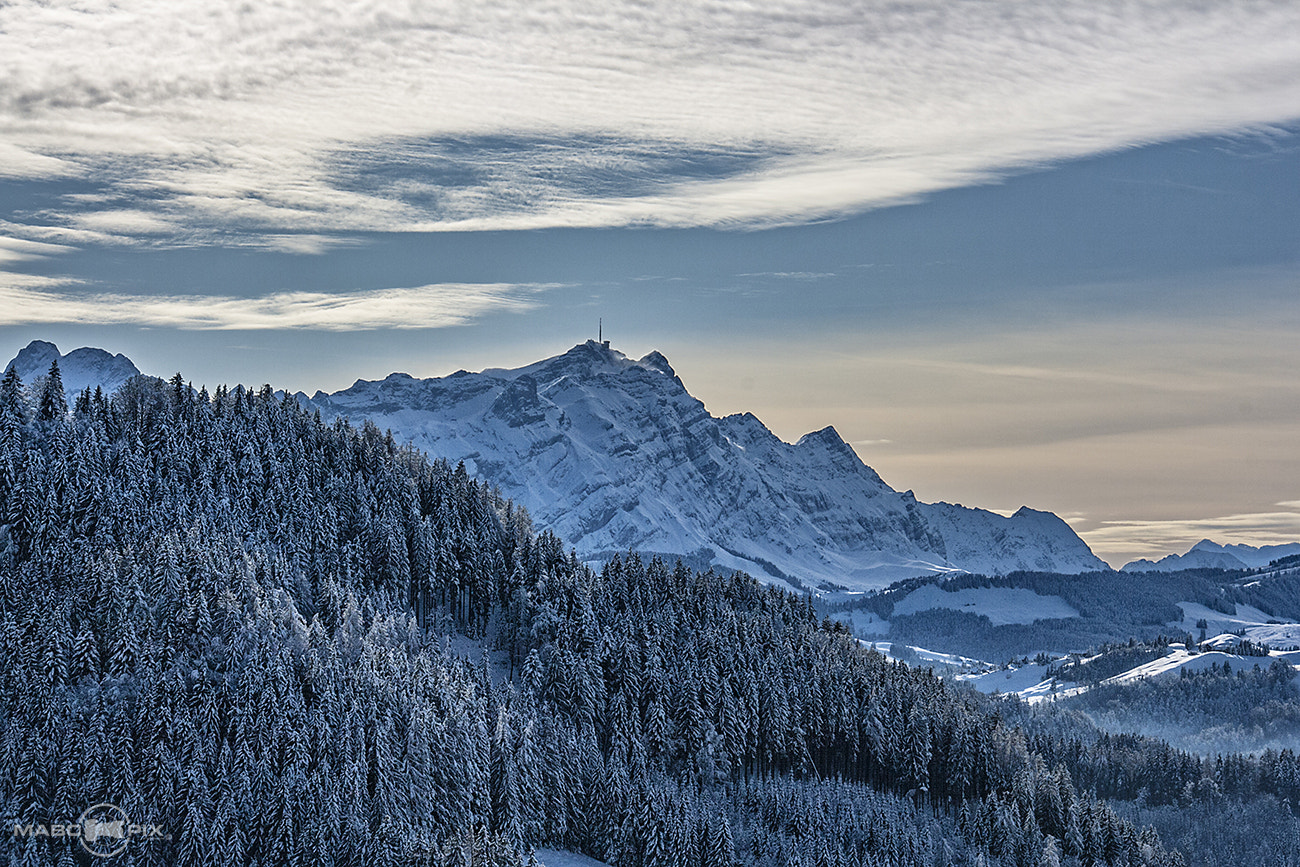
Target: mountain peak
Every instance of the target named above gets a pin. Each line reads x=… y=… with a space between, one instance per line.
x=37 y=354
x=828 y=438
x=656 y=360
x=827 y=434
x=599 y=349
x=595 y=357
x=1026 y=512
x=82 y=368
x=1038 y=517
x=39 y=346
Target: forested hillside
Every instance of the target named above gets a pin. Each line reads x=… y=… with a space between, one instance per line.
x=232 y=621
x=1112 y=607
x=1250 y=708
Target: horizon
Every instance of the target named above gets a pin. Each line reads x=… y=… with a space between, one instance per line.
x=1114 y=562
x=1016 y=254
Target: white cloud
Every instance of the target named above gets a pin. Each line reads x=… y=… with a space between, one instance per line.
x=16 y=162
x=29 y=300
x=127 y=222
x=22 y=249
x=219 y=115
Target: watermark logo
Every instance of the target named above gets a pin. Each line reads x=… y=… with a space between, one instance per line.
x=104 y=830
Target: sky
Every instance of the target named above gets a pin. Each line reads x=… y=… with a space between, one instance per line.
x=1015 y=252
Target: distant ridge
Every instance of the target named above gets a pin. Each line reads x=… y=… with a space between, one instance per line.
x=1206 y=554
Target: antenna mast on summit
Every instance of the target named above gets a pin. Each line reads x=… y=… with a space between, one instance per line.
x=600 y=330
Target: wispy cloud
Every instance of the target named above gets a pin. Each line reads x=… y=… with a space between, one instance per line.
x=1176 y=536
x=791 y=275
x=39 y=300
x=22 y=249
x=332 y=116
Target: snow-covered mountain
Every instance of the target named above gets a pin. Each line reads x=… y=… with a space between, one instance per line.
x=613 y=454
x=1211 y=555
x=79 y=368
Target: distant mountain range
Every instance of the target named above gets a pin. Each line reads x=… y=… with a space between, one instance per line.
x=614 y=454
x=1211 y=555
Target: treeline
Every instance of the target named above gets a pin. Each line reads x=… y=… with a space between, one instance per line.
x=229 y=619
x=1277 y=593
x=974 y=635
x=1109 y=660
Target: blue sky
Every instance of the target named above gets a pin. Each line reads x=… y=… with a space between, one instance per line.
x=1014 y=252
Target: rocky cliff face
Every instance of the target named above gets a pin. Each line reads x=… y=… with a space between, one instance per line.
x=613 y=453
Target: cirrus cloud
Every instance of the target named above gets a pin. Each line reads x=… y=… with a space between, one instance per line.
x=239 y=118
x=438 y=305
x=1278 y=527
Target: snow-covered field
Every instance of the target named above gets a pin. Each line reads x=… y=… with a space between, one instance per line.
x=1276 y=635
x=1027 y=681
x=1218 y=622
x=863 y=623
x=1259 y=627
x=1001 y=605
x=933 y=657
x=1179 y=658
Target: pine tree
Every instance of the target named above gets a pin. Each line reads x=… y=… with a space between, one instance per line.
x=722 y=849
x=12 y=401
x=53 y=403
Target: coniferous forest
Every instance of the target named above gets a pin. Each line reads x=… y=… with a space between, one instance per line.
x=284 y=642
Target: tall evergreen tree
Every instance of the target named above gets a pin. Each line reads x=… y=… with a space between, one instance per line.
x=12 y=402
x=53 y=403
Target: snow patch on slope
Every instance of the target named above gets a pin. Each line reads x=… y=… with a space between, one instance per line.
x=1179 y=658
x=1216 y=622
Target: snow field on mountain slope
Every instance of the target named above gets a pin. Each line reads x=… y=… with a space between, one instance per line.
x=1030 y=682
x=1247 y=617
